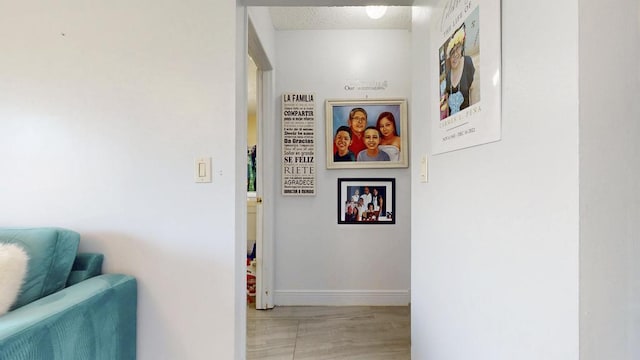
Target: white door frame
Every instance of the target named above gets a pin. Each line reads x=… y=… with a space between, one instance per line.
x=264 y=171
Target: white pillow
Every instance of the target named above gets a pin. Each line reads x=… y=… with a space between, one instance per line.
x=13 y=268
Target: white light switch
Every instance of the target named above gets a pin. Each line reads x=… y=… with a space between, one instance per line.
x=203 y=170
x=423 y=170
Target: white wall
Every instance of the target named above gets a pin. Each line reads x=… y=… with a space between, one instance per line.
x=261 y=19
x=495 y=231
x=317 y=260
x=609 y=186
x=103 y=108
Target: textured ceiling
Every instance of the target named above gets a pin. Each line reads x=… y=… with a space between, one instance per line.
x=329 y=2
x=338 y=17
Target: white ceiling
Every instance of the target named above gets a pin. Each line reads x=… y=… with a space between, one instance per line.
x=338 y=17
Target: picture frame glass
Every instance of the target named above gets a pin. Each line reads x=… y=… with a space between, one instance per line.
x=366 y=134
x=366 y=201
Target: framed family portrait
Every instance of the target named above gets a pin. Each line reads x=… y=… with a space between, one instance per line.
x=367 y=201
x=367 y=134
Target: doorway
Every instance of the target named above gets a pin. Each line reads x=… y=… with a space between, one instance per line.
x=259 y=174
x=313 y=253
x=252 y=198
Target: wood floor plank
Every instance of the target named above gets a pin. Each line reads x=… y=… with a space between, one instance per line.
x=272 y=339
x=318 y=332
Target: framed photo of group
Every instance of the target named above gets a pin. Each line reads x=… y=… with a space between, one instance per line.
x=367 y=201
x=367 y=134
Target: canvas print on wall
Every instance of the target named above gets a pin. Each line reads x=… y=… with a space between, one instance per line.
x=366 y=201
x=466 y=41
x=367 y=134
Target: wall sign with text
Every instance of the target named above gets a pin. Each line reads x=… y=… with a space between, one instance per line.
x=298 y=144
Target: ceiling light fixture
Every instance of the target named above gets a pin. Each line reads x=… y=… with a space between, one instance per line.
x=376 y=12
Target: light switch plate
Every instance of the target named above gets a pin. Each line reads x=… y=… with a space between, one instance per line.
x=424 y=176
x=203 y=170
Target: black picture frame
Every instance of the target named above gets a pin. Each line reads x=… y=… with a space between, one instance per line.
x=381 y=198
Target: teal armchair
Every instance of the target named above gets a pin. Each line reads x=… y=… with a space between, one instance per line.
x=67 y=309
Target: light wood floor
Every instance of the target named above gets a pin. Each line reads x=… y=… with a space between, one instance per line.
x=336 y=332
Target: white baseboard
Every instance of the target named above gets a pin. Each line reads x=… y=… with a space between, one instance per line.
x=342 y=297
